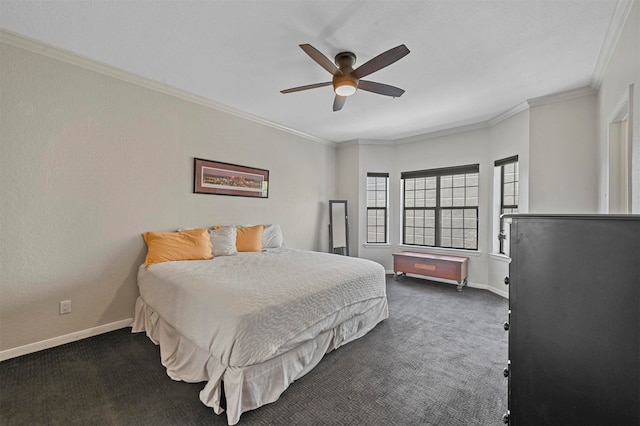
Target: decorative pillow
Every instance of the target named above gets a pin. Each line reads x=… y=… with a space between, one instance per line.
x=249 y=238
x=194 y=244
x=223 y=240
x=272 y=236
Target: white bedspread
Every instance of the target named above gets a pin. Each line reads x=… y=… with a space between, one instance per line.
x=250 y=307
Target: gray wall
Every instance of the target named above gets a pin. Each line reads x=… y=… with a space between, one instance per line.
x=89 y=162
x=555 y=139
x=620 y=80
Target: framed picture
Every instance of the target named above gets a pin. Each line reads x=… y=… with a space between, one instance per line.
x=214 y=177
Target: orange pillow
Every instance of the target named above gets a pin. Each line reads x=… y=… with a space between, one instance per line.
x=249 y=238
x=193 y=244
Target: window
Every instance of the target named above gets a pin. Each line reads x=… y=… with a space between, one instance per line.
x=440 y=207
x=377 y=203
x=509 y=178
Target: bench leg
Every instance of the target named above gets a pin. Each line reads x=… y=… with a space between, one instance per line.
x=462 y=284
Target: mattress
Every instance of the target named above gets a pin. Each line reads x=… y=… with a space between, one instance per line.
x=256 y=321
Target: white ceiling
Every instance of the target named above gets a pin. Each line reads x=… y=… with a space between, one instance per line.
x=470 y=61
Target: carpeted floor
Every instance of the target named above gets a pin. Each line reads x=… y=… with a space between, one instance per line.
x=437 y=360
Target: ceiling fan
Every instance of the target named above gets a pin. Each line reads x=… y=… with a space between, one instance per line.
x=346 y=80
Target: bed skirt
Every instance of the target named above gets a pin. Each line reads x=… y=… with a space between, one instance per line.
x=247 y=387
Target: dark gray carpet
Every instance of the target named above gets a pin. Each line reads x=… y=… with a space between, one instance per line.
x=437 y=360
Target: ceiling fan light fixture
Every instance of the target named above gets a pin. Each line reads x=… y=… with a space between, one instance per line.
x=345 y=88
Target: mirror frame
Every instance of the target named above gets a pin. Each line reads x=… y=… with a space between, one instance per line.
x=343 y=250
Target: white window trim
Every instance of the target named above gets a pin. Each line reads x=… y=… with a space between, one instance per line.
x=387 y=209
x=441 y=250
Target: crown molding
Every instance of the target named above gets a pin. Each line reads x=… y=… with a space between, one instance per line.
x=444 y=132
x=375 y=142
x=621 y=13
x=562 y=96
x=462 y=128
x=533 y=102
x=352 y=142
x=619 y=18
x=508 y=113
x=22 y=42
x=543 y=100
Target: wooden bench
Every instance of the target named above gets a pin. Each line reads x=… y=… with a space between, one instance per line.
x=431 y=265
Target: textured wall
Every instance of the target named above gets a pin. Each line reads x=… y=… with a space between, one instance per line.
x=622 y=71
x=89 y=162
x=563 y=157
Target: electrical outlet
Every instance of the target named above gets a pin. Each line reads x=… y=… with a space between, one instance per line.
x=65 y=307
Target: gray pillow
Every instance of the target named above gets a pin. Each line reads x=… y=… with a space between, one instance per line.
x=223 y=241
x=272 y=236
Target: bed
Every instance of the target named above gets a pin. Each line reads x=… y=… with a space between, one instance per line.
x=253 y=322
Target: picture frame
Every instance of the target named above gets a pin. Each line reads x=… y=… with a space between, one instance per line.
x=218 y=178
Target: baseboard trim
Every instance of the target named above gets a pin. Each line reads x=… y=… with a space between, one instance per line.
x=502 y=293
x=444 y=281
x=101 y=329
x=62 y=340
x=499 y=292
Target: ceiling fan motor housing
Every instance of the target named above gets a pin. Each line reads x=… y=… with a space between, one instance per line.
x=346 y=79
x=345 y=60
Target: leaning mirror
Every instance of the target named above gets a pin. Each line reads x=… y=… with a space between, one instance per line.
x=338 y=227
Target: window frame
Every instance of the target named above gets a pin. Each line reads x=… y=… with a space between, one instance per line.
x=385 y=209
x=438 y=209
x=503 y=235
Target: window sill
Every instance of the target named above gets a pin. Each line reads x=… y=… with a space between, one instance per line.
x=500 y=257
x=376 y=245
x=440 y=250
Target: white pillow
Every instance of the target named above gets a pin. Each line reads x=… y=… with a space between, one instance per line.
x=272 y=236
x=223 y=241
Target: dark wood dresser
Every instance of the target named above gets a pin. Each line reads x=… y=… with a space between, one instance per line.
x=574 y=320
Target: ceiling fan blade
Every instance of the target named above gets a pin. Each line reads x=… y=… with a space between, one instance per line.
x=338 y=102
x=322 y=60
x=379 y=88
x=307 y=87
x=382 y=60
